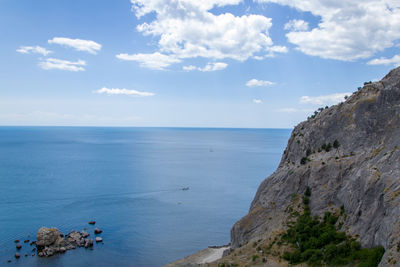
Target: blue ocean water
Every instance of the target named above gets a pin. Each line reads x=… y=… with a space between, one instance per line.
x=130 y=181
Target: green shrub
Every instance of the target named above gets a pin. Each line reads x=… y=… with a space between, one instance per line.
x=308 y=192
x=317 y=241
x=328 y=147
x=342 y=210
x=336 y=144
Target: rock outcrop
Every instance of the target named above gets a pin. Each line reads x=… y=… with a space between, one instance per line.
x=360 y=172
x=51 y=241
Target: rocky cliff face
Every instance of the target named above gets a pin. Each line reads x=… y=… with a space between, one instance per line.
x=362 y=173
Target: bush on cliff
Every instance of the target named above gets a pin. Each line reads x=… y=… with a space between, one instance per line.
x=318 y=242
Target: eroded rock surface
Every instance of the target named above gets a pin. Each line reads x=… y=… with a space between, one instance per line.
x=362 y=174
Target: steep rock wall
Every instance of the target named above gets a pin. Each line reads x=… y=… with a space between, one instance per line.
x=362 y=174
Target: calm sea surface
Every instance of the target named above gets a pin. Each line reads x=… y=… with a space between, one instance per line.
x=130 y=181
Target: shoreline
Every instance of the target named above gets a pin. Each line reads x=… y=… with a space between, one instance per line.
x=205 y=256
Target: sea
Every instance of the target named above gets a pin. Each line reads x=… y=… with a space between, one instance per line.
x=158 y=194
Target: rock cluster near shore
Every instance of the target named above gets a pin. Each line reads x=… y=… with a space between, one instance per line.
x=51 y=241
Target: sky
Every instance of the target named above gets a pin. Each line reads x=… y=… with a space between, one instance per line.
x=188 y=63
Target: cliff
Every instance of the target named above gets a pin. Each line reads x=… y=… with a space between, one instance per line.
x=360 y=173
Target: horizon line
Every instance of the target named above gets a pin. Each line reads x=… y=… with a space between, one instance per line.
x=177 y=127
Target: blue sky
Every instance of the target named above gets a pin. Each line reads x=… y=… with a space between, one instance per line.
x=187 y=63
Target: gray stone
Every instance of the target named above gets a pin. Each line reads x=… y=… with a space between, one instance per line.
x=88 y=243
x=97 y=231
x=85 y=234
x=362 y=174
x=47 y=236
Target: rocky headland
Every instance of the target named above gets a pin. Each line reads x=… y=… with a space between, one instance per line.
x=347 y=158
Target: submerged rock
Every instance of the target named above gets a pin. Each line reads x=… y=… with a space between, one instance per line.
x=17 y=255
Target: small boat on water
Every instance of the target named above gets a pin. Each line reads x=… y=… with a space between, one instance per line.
x=185 y=188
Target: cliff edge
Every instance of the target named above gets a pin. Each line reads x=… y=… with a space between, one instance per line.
x=349 y=156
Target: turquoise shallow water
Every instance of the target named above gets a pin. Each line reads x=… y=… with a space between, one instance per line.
x=130 y=181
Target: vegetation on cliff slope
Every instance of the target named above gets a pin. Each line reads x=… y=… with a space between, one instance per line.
x=317 y=241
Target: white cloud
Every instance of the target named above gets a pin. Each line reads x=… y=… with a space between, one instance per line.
x=257 y=83
x=324 y=99
x=209 y=67
x=117 y=91
x=348 y=29
x=54 y=63
x=275 y=49
x=78 y=44
x=189 y=68
x=186 y=29
x=395 y=60
x=155 y=60
x=33 y=50
x=257 y=101
x=271 y=52
x=296 y=25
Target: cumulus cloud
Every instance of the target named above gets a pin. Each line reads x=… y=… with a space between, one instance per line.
x=257 y=101
x=54 y=63
x=324 y=99
x=78 y=44
x=296 y=25
x=209 y=67
x=349 y=29
x=258 y=83
x=117 y=91
x=33 y=50
x=155 y=60
x=395 y=60
x=187 y=29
